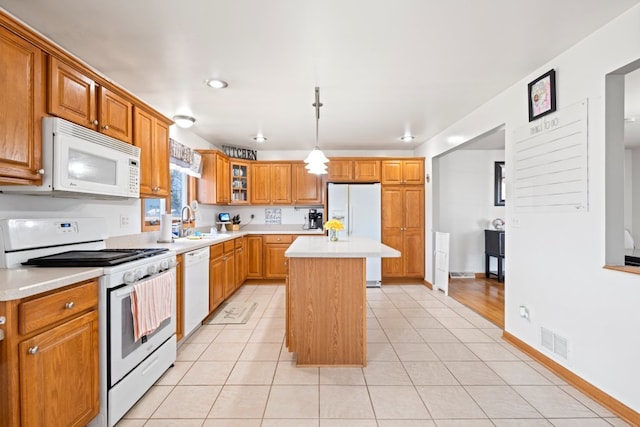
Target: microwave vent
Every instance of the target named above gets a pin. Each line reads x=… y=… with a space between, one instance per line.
x=71 y=129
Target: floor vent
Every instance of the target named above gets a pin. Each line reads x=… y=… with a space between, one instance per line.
x=462 y=275
x=554 y=342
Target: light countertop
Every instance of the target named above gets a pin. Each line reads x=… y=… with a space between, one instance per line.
x=353 y=247
x=23 y=282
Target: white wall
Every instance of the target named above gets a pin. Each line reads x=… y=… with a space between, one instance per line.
x=635 y=196
x=556 y=259
x=466 y=204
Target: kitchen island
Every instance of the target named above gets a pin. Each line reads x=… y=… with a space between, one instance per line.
x=326 y=299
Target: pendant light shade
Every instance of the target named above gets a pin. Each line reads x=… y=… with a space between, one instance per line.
x=316 y=160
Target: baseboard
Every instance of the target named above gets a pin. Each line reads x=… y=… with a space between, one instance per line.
x=480 y=275
x=401 y=281
x=615 y=406
x=427 y=284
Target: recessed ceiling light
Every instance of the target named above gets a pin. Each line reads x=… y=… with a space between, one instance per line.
x=184 y=121
x=217 y=83
x=407 y=138
x=259 y=139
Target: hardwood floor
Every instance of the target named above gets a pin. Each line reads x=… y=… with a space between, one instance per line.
x=484 y=296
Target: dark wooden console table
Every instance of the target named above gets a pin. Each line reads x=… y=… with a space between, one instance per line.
x=494 y=247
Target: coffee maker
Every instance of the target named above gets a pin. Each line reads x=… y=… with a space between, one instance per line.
x=315 y=219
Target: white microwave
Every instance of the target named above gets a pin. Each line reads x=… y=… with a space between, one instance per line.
x=79 y=162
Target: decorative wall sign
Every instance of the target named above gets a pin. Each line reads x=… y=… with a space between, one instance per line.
x=273 y=216
x=240 y=153
x=542 y=95
x=551 y=159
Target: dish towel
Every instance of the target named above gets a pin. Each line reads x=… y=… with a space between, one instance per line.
x=151 y=302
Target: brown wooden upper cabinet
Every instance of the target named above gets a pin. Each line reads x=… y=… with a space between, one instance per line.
x=307 y=187
x=214 y=185
x=79 y=99
x=270 y=183
x=152 y=136
x=405 y=171
x=21 y=109
x=353 y=170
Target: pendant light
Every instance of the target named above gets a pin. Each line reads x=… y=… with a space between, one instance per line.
x=316 y=160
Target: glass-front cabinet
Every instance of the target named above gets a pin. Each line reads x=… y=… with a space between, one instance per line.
x=239 y=182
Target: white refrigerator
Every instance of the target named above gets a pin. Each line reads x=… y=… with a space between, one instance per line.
x=358 y=207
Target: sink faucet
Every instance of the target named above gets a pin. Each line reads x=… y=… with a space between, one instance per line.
x=184 y=230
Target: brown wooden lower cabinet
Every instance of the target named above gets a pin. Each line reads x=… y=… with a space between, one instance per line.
x=50 y=375
x=216 y=276
x=254 y=257
x=275 y=246
x=228 y=263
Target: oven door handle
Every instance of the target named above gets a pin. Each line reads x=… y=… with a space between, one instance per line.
x=126 y=290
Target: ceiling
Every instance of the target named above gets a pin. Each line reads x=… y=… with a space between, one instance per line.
x=384 y=68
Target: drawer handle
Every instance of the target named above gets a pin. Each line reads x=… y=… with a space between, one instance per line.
x=33 y=350
x=105 y=127
x=69 y=305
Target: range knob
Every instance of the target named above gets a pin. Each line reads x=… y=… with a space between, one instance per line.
x=152 y=269
x=172 y=262
x=164 y=265
x=129 y=277
x=139 y=274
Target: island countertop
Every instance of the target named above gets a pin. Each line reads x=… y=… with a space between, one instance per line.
x=352 y=247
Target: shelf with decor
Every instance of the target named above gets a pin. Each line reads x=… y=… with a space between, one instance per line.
x=239 y=182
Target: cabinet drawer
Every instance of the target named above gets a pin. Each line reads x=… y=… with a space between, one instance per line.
x=215 y=251
x=43 y=311
x=278 y=238
x=228 y=246
x=239 y=242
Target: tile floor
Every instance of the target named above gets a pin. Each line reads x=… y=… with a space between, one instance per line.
x=431 y=362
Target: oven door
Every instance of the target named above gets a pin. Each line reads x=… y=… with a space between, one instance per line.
x=125 y=353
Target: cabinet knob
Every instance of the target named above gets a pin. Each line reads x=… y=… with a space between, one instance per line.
x=33 y=350
x=156 y=189
x=40 y=171
x=105 y=127
x=69 y=305
x=94 y=122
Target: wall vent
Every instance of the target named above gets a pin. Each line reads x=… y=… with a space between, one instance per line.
x=554 y=342
x=462 y=275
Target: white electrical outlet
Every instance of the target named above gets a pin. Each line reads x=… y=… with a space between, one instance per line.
x=124 y=221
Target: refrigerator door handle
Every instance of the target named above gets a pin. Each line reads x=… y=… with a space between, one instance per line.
x=351 y=218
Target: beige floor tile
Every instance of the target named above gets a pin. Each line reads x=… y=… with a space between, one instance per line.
x=435 y=335
x=502 y=402
x=494 y=332
x=348 y=423
x=589 y=403
x=345 y=401
x=376 y=336
x=381 y=352
x=271 y=322
x=233 y=336
x=190 y=352
x=452 y=351
x=232 y=423
x=546 y=373
x=471 y=335
x=342 y=376
x=174 y=423
x=432 y=304
x=449 y=402
x=458 y=322
x=429 y=373
x=552 y=402
x=252 y=373
x=205 y=334
x=188 y=402
x=147 y=405
x=261 y=351
x=293 y=401
x=288 y=373
x=538 y=422
x=267 y=335
x=386 y=373
x=291 y=422
x=393 y=322
x=397 y=403
x=130 y=423
x=579 y=422
x=174 y=374
x=406 y=423
x=285 y=354
x=463 y=423
x=617 y=422
x=414 y=352
x=442 y=312
x=243 y=401
x=403 y=335
x=220 y=351
x=491 y=351
x=208 y=373
x=418 y=312
x=474 y=373
x=383 y=313
x=518 y=373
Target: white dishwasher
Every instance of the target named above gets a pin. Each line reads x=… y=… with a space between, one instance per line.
x=196 y=288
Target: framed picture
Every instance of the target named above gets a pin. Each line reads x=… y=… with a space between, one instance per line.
x=542 y=95
x=498 y=184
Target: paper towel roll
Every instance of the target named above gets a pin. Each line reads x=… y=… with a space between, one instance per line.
x=165 y=229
